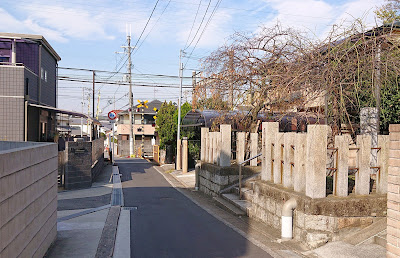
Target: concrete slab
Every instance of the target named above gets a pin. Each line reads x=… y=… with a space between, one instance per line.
x=78 y=237
x=187 y=179
x=341 y=249
x=122 y=246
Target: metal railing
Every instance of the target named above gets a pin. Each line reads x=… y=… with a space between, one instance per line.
x=240 y=172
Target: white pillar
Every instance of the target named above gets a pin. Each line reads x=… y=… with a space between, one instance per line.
x=341 y=175
x=226 y=146
x=278 y=156
x=269 y=131
x=179 y=155
x=254 y=148
x=316 y=157
x=299 y=169
x=240 y=146
x=288 y=156
x=204 y=135
x=363 y=159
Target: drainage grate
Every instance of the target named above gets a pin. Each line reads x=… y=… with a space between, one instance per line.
x=130 y=208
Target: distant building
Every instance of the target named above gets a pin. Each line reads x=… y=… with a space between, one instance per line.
x=145 y=130
x=28 y=88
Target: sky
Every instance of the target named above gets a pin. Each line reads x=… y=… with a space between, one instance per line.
x=88 y=34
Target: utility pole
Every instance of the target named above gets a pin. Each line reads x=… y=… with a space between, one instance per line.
x=94 y=96
x=83 y=103
x=178 y=145
x=128 y=50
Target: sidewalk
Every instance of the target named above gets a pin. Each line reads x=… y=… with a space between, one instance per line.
x=81 y=216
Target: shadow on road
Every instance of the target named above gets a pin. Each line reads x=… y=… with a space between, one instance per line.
x=168 y=224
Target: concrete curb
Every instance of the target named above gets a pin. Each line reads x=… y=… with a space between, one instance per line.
x=122 y=248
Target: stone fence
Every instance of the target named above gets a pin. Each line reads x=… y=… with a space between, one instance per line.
x=296 y=165
x=28 y=198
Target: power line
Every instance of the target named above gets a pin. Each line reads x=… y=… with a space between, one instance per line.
x=201 y=23
x=194 y=21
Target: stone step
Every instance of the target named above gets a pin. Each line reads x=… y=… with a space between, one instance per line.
x=226 y=205
x=244 y=205
x=380 y=239
x=247 y=193
x=364 y=234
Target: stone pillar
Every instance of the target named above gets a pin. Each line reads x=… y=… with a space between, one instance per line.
x=211 y=155
x=393 y=196
x=288 y=156
x=185 y=156
x=363 y=159
x=203 y=150
x=278 y=157
x=208 y=147
x=226 y=146
x=369 y=117
x=179 y=155
x=269 y=131
x=341 y=175
x=240 y=146
x=253 y=148
x=218 y=148
x=299 y=169
x=316 y=157
x=383 y=163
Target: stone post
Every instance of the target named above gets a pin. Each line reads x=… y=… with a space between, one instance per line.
x=363 y=159
x=269 y=130
x=203 y=150
x=240 y=146
x=341 y=175
x=288 y=155
x=185 y=157
x=369 y=117
x=215 y=147
x=218 y=149
x=253 y=148
x=179 y=155
x=278 y=157
x=393 y=196
x=383 y=162
x=211 y=155
x=208 y=147
x=226 y=146
x=299 y=169
x=316 y=157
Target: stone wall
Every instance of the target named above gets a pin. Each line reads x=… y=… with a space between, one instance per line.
x=84 y=161
x=393 y=196
x=213 y=178
x=28 y=198
x=318 y=220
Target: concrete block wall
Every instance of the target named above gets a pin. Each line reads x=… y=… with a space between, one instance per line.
x=393 y=195
x=28 y=198
x=213 y=178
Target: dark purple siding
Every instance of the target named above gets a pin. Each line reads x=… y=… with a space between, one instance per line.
x=28 y=54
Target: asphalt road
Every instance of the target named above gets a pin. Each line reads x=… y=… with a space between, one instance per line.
x=167 y=224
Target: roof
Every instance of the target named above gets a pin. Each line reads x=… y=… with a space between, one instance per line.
x=68 y=112
x=32 y=37
x=150 y=110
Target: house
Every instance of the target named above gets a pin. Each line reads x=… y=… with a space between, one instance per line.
x=28 y=88
x=143 y=129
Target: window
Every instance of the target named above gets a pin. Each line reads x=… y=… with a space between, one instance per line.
x=26 y=86
x=4 y=59
x=45 y=76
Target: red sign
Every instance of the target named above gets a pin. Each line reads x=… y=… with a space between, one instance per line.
x=112 y=115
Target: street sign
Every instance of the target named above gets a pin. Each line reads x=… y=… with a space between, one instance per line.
x=112 y=115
